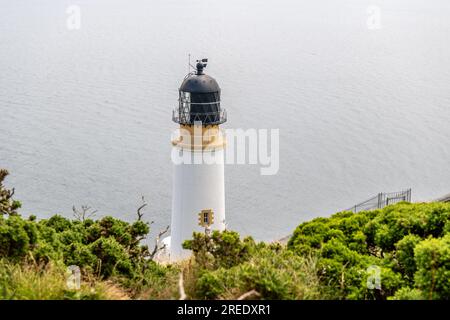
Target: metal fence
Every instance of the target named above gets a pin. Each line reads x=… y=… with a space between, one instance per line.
x=382 y=200
x=445 y=198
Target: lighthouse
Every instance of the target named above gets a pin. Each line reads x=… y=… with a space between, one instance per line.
x=198 y=199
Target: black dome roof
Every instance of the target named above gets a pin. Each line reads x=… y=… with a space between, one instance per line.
x=200 y=83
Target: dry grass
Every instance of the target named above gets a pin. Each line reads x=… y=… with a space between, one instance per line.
x=38 y=282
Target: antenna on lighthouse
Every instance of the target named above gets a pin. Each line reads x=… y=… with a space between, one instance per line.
x=189 y=64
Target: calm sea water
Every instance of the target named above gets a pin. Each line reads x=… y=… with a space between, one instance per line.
x=85 y=115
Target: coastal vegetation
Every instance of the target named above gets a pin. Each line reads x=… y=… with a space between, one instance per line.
x=398 y=252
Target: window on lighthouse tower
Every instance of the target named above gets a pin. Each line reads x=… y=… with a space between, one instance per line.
x=206 y=218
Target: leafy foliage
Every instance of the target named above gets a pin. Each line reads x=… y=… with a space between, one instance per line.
x=7 y=205
x=399 y=252
x=274 y=275
x=432 y=257
x=407 y=243
x=220 y=249
x=107 y=247
x=226 y=266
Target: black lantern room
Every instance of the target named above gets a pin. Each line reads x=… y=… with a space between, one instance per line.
x=199 y=99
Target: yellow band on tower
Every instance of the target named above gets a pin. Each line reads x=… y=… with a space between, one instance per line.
x=200 y=138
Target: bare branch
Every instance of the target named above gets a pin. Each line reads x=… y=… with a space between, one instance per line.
x=181 y=287
x=249 y=294
x=139 y=213
x=157 y=248
x=84 y=213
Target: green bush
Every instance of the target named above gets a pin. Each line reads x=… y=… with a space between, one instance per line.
x=409 y=243
x=8 y=206
x=109 y=244
x=274 y=274
x=399 y=252
x=405 y=255
x=219 y=249
x=17 y=237
x=432 y=257
x=226 y=266
x=407 y=293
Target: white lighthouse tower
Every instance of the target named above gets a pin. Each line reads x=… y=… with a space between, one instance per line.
x=198 y=200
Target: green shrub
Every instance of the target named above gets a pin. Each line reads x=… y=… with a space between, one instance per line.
x=407 y=293
x=432 y=257
x=407 y=242
x=219 y=249
x=113 y=256
x=405 y=255
x=8 y=206
x=273 y=274
x=17 y=237
x=398 y=252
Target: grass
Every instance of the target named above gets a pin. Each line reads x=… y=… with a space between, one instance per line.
x=37 y=282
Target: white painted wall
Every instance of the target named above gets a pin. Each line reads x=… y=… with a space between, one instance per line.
x=195 y=187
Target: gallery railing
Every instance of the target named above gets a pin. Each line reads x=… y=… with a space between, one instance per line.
x=186 y=116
